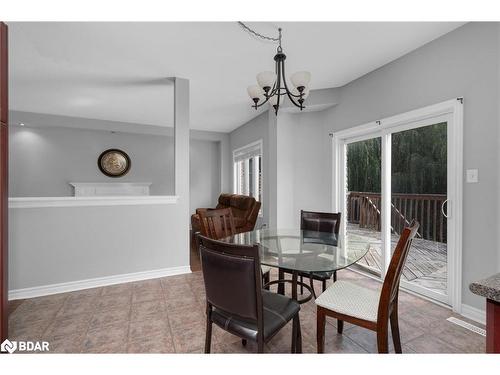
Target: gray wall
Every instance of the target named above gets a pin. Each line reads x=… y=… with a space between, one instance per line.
x=204 y=178
x=44 y=160
x=258 y=128
x=310 y=164
x=53 y=245
x=465 y=63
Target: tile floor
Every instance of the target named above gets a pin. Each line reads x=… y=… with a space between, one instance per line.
x=167 y=316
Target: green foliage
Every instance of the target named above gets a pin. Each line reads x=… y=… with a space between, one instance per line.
x=418 y=162
x=364 y=166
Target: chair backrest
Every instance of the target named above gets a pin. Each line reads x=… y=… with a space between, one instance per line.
x=217 y=224
x=244 y=208
x=390 y=288
x=320 y=227
x=320 y=221
x=232 y=277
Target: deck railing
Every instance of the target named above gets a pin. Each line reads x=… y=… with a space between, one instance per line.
x=364 y=208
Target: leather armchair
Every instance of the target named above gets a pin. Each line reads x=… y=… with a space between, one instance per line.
x=245 y=210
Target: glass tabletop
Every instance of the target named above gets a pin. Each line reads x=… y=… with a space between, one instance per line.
x=302 y=250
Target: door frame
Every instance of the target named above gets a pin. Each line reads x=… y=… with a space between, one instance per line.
x=453 y=111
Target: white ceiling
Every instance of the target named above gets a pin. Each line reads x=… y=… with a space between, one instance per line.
x=116 y=71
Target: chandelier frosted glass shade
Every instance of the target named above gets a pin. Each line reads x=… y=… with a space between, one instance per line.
x=255 y=92
x=301 y=79
x=266 y=80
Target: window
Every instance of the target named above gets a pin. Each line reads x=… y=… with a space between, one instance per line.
x=248 y=171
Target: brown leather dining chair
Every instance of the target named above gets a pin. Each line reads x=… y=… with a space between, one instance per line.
x=371 y=309
x=219 y=223
x=236 y=301
x=311 y=223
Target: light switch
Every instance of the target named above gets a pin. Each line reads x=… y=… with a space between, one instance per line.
x=472 y=176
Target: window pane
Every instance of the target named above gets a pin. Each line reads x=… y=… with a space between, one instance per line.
x=251 y=181
x=364 y=167
x=419 y=188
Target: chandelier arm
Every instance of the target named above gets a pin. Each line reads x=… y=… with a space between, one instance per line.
x=261 y=104
x=288 y=92
x=279 y=87
x=275 y=88
x=293 y=100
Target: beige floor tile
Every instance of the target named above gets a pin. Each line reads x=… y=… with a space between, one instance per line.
x=148 y=285
x=103 y=318
x=168 y=314
x=67 y=325
x=27 y=317
x=152 y=344
x=185 y=317
x=142 y=295
x=110 y=301
x=77 y=306
x=191 y=339
x=149 y=327
x=66 y=344
x=117 y=289
x=145 y=310
x=28 y=332
x=188 y=301
x=430 y=344
x=114 y=337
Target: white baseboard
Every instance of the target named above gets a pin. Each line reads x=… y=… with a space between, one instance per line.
x=474 y=313
x=72 y=286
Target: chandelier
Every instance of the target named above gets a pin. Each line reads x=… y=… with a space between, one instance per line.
x=272 y=86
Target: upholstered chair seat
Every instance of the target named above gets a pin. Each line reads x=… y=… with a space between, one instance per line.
x=350 y=299
x=278 y=311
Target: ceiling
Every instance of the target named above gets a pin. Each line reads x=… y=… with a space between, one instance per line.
x=116 y=71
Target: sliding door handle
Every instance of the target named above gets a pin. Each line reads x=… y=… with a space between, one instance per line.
x=445 y=214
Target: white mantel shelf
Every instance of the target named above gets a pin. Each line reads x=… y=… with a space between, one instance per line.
x=39 y=202
x=101 y=189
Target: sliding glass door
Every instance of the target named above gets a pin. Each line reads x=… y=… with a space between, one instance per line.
x=401 y=169
x=419 y=179
x=363 y=215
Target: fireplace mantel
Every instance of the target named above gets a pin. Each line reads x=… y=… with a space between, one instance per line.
x=106 y=189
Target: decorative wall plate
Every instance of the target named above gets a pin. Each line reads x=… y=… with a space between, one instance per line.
x=114 y=162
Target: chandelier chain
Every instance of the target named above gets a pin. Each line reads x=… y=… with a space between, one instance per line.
x=258 y=35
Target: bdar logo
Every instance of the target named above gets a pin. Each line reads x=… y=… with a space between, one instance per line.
x=8 y=346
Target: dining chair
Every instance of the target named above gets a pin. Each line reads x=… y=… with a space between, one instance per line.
x=236 y=301
x=219 y=223
x=371 y=309
x=311 y=223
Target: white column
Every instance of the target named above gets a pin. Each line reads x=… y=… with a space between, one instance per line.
x=181 y=126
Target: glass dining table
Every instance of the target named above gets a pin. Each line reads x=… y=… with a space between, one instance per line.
x=297 y=251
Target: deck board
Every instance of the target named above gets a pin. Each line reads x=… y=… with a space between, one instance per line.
x=426 y=264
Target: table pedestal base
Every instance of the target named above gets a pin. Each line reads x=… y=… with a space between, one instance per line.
x=295 y=283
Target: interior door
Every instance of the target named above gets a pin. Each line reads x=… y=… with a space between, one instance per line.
x=3 y=181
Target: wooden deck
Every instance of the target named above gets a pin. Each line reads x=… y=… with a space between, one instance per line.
x=426 y=263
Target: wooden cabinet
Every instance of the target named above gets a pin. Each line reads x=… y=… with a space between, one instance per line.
x=4 y=175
